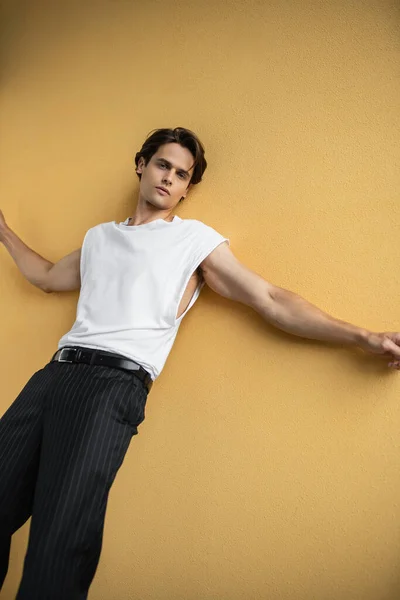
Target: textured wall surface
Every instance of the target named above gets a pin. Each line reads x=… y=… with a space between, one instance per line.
x=268 y=466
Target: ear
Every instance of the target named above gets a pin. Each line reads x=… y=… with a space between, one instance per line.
x=187 y=190
x=141 y=164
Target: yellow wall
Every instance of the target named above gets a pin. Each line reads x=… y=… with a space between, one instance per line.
x=268 y=466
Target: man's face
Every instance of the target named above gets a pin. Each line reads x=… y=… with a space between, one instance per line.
x=169 y=168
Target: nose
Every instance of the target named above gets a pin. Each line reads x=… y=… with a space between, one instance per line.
x=167 y=179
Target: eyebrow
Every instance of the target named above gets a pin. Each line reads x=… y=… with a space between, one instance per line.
x=171 y=165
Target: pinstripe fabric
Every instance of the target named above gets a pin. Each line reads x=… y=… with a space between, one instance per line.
x=62 y=442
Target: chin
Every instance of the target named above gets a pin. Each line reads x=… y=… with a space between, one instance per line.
x=162 y=203
x=154 y=202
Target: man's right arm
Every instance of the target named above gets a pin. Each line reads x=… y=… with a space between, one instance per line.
x=49 y=277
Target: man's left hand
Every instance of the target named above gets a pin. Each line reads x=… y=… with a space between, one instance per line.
x=387 y=344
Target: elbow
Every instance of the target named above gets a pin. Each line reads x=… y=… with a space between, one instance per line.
x=45 y=284
x=269 y=303
x=45 y=288
x=40 y=284
x=264 y=302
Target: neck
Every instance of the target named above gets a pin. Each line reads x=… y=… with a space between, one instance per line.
x=135 y=220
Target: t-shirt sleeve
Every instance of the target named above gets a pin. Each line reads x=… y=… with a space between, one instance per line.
x=203 y=240
x=207 y=239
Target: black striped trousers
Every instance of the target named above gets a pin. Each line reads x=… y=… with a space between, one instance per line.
x=62 y=442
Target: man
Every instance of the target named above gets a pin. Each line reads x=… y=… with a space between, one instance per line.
x=65 y=436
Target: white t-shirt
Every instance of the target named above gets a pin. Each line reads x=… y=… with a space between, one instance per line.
x=132 y=281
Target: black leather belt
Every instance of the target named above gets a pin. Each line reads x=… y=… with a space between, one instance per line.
x=90 y=356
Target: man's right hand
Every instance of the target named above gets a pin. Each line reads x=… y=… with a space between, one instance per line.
x=3 y=226
x=49 y=277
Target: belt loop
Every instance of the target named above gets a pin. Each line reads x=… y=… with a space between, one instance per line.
x=94 y=353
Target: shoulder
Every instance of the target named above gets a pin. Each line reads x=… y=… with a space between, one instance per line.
x=97 y=231
x=199 y=226
x=110 y=225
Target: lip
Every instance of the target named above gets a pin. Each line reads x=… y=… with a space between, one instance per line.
x=163 y=190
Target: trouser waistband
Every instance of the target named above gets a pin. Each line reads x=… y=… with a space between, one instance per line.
x=92 y=356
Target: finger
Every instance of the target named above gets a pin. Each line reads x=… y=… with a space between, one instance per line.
x=393 y=348
x=394 y=364
x=394 y=336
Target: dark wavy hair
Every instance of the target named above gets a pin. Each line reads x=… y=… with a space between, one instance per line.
x=179 y=135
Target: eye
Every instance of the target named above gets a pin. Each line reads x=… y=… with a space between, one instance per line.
x=182 y=175
x=162 y=165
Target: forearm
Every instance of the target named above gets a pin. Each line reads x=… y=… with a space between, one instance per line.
x=33 y=266
x=297 y=316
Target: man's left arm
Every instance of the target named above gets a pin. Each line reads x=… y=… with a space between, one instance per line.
x=287 y=311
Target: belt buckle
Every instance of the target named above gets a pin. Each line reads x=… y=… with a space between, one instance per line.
x=60 y=359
